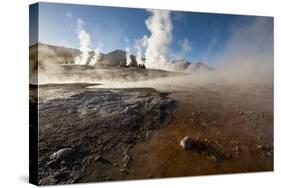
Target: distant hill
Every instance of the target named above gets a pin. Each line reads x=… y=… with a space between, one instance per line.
x=186 y=66
x=53 y=54
x=60 y=55
x=115 y=59
x=180 y=65
x=63 y=55
x=195 y=67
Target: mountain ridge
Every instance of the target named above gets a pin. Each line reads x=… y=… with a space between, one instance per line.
x=116 y=58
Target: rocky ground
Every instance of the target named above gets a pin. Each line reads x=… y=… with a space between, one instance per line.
x=90 y=134
x=81 y=126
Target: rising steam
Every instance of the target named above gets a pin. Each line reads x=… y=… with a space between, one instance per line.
x=248 y=55
x=128 y=57
x=96 y=57
x=85 y=43
x=156 y=46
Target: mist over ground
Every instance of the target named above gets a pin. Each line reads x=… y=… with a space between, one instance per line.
x=247 y=57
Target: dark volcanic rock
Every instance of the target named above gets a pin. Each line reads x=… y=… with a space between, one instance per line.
x=92 y=122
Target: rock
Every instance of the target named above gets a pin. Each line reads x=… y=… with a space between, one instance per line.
x=236 y=149
x=187 y=143
x=115 y=164
x=122 y=170
x=108 y=178
x=269 y=154
x=52 y=164
x=62 y=163
x=205 y=124
x=259 y=147
x=98 y=158
x=212 y=158
x=61 y=154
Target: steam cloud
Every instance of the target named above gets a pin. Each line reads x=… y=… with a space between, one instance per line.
x=128 y=57
x=247 y=58
x=156 y=46
x=85 y=43
x=248 y=55
x=140 y=44
x=96 y=57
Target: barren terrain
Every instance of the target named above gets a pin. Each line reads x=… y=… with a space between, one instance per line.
x=135 y=133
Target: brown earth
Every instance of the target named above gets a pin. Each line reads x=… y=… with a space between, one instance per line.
x=120 y=134
x=236 y=121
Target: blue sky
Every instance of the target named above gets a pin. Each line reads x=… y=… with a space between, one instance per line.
x=117 y=28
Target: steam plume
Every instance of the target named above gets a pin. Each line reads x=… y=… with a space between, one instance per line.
x=85 y=43
x=139 y=56
x=96 y=57
x=157 y=44
x=128 y=57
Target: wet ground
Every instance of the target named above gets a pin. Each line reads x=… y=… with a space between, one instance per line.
x=120 y=134
x=236 y=121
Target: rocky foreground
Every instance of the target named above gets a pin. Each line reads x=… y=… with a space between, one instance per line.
x=79 y=126
x=90 y=134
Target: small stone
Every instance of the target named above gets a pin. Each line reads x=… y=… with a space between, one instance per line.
x=61 y=154
x=212 y=158
x=205 y=124
x=115 y=164
x=236 y=149
x=108 y=178
x=268 y=153
x=62 y=163
x=259 y=146
x=98 y=158
x=51 y=164
x=186 y=143
x=122 y=170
